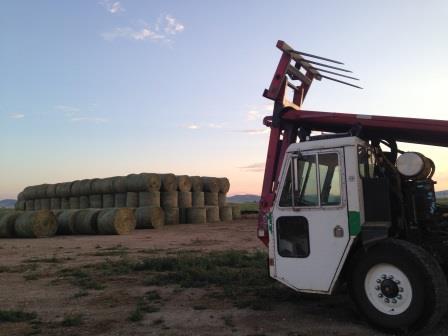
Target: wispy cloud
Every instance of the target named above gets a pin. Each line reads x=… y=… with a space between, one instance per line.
x=254 y=167
x=254 y=131
x=192 y=126
x=67 y=110
x=76 y=114
x=112 y=7
x=258 y=112
x=17 y=116
x=195 y=126
x=163 y=30
x=95 y=120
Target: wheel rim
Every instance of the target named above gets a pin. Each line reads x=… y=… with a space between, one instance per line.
x=388 y=289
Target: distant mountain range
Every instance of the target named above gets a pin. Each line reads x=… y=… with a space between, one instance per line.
x=7 y=203
x=442 y=194
x=243 y=198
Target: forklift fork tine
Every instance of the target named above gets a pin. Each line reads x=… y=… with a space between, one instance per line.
x=315 y=56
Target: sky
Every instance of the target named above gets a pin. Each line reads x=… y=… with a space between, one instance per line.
x=102 y=88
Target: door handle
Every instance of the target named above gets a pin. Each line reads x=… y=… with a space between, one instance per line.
x=338 y=231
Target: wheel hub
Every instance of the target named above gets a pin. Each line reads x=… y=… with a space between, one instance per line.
x=389 y=288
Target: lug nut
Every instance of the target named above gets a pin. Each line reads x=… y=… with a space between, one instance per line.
x=378 y=280
x=380 y=295
x=386 y=300
x=394 y=301
x=384 y=276
x=399 y=297
x=397 y=282
x=400 y=289
x=377 y=288
x=391 y=277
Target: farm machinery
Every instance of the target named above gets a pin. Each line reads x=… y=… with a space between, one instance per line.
x=343 y=204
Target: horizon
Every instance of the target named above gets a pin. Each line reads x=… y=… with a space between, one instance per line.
x=103 y=88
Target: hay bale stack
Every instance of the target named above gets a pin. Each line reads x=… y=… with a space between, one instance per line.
x=143 y=182
x=108 y=200
x=210 y=184
x=149 y=217
x=7 y=221
x=76 y=188
x=212 y=214
x=224 y=185
x=132 y=199
x=85 y=187
x=236 y=211
x=37 y=204
x=51 y=190
x=185 y=199
x=86 y=221
x=45 y=204
x=171 y=216
x=149 y=199
x=120 y=200
x=55 y=203
x=84 y=202
x=196 y=216
x=222 y=199
x=183 y=183
x=169 y=182
x=211 y=198
x=74 y=202
x=196 y=184
x=168 y=199
x=116 y=221
x=35 y=224
x=64 y=189
x=225 y=213
x=95 y=201
x=66 y=220
x=29 y=205
x=197 y=199
x=119 y=184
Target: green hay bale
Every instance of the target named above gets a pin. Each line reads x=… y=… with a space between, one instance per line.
x=84 y=202
x=45 y=204
x=37 y=205
x=119 y=184
x=236 y=211
x=183 y=183
x=64 y=189
x=35 y=224
x=104 y=186
x=120 y=200
x=196 y=184
x=65 y=203
x=86 y=221
x=143 y=182
x=20 y=205
x=66 y=220
x=185 y=199
x=224 y=184
x=168 y=199
x=198 y=199
x=7 y=221
x=96 y=201
x=171 y=216
x=196 y=215
x=169 y=182
x=20 y=196
x=55 y=203
x=149 y=199
x=183 y=216
x=95 y=186
x=225 y=213
x=149 y=217
x=76 y=188
x=212 y=214
x=85 y=187
x=29 y=205
x=74 y=202
x=211 y=198
x=222 y=199
x=210 y=184
x=51 y=190
x=116 y=221
x=108 y=200
x=132 y=199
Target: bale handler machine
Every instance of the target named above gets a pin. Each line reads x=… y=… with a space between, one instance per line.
x=342 y=204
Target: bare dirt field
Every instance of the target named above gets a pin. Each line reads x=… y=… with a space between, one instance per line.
x=178 y=280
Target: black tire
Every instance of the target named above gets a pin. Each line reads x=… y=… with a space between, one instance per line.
x=429 y=291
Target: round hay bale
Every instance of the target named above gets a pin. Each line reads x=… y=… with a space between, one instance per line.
x=95 y=186
x=55 y=203
x=96 y=201
x=119 y=184
x=86 y=221
x=185 y=199
x=64 y=189
x=183 y=183
x=198 y=199
x=132 y=199
x=168 y=199
x=84 y=202
x=222 y=199
x=169 y=182
x=20 y=205
x=108 y=200
x=171 y=216
x=76 y=188
x=225 y=213
x=45 y=204
x=35 y=224
x=236 y=211
x=65 y=203
x=196 y=183
x=210 y=184
x=42 y=190
x=20 y=196
x=211 y=198
x=120 y=200
x=66 y=220
x=7 y=221
x=224 y=184
x=74 y=202
x=37 y=205
x=212 y=214
x=85 y=187
x=51 y=190
x=149 y=198
x=28 y=193
x=149 y=217
x=196 y=215
x=105 y=185
x=29 y=205
x=116 y=221
x=143 y=182
x=183 y=216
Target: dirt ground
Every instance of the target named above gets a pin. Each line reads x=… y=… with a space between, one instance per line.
x=90 y=285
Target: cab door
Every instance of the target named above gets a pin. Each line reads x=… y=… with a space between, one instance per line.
x=310 y=220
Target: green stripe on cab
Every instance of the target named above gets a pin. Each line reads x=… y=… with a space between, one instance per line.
x=354 y=222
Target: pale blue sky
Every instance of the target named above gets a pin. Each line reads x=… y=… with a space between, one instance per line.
x=101 y=88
